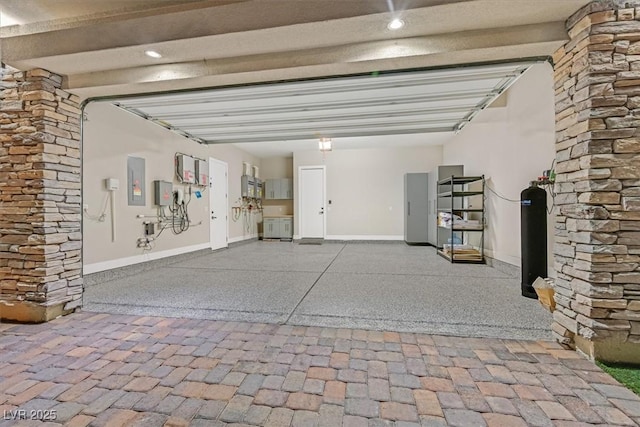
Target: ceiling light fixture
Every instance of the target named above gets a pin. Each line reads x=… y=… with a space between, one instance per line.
x=396 y=24
x=152 y=54
x=324 y=144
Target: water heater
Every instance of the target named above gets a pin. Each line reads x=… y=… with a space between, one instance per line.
x=533 y=233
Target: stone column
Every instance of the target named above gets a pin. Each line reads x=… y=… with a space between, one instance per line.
x=597 y=251
x=40 y=199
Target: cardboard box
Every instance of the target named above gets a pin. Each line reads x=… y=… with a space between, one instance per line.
x=545 y=292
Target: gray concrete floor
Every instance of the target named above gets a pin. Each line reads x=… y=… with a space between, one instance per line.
x=384 y=286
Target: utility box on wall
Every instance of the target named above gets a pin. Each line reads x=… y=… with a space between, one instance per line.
x=162 y=193
x=202 y=172
x=135 y=181
x=247 y=186
x=185 y=169
x=257 y=188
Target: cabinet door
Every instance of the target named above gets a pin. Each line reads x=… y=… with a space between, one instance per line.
x=416 y=208
x=286 y=228
x=270 y=228
x=286 y=188
x=272 y=189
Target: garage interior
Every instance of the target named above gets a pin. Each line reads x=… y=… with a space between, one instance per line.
x=173 y=50
x=383 y=125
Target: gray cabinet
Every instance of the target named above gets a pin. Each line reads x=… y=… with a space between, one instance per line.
x=271 y=228
x=271 y=188
x=416 y=206
x=276 y=189
x=277 y=228
x=286 y=188
x=286 y=228
x=432 y=208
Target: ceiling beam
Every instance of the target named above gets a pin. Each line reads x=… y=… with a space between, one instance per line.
x=182 y=22
x=419 y=52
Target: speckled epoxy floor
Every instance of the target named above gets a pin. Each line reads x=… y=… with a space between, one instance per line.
x=386 y=286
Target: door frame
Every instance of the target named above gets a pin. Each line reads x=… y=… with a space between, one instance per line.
x=226 y=211
x=324 y=198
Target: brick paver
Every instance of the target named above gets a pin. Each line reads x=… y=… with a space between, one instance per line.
x=102 y=370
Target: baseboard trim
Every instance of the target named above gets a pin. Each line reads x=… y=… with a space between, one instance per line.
x=138 y=259
x=363 y=237
x=507 y=259
x=505 y=267
x=253 y=236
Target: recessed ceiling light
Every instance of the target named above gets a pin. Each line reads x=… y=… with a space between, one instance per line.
x=152 y=54
x=396 y=24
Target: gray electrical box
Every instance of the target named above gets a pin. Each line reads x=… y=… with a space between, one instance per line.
x=248 y=188
x=162 y=193
x=135 y=181
x=257 y=189
x=202 y=172
x=185 y=169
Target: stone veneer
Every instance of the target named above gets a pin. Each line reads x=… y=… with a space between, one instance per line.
x=40 y=199
x=597 y=251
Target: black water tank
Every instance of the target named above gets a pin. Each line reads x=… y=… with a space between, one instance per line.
x=533 y=232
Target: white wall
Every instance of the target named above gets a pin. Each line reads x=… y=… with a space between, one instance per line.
x=511 y=146
x=366 y=188
x=109 y=136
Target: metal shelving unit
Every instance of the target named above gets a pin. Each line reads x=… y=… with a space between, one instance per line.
x=462 y=196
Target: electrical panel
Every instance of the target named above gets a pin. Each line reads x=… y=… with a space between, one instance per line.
x=186 y=169
x=135 y=181
x=247 y=184
x=202 y=172
x=162 y=193
x=257 y=188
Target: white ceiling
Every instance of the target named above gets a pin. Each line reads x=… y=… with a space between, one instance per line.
x=419 y=102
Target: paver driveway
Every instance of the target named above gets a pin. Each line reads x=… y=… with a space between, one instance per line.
x=120 y=370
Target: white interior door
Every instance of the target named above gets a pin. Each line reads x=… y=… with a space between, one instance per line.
x=218 y=204
x=311 y=193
